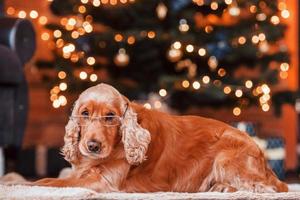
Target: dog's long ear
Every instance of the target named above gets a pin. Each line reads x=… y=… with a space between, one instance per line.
x=70 y=149
x=135 y=138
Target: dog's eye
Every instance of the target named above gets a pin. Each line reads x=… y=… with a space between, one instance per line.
x=109 y=116
x=85 y=113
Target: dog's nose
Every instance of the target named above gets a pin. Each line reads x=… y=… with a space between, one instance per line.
x=94 y=147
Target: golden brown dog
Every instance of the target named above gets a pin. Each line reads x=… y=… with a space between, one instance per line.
x=116 y=145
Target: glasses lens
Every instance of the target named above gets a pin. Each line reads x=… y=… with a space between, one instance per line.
x=103 y=120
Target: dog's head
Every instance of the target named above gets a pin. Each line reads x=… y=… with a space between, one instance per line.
x=100 y=119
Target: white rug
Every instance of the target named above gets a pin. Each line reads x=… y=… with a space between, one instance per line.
x=35 y=192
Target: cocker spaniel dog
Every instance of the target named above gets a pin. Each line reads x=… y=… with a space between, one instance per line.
x=117 y=145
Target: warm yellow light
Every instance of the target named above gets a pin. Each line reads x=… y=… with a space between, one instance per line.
x=113 y=2
x=262 y=36
x=118 y=37
x=189 y=48
x=22 y=14
x=177 y=45
x=53 y=97
x=82 y=9
x=104 y=1
x=227 y=90
x=283 y=75
x=62 y=75
x=222 y=72
x=123 y=1
x=10 y=10
x=69 y=48
x=88 y=28
x=83 y=75
x=196 y=85
x=212 y=62
x=249 y=84
x=75 y=34
x=157 y=104
x=185 y=83
x=60 y=43
x=261 y=16
x=201 y=52
x=43 y=20
x=163 y=92
x=236 y=111
x=72 y=21
x=214 y=5
x=131 y=40
x=281 y=6
x=208 y=29
x=57 y=33
x=255 y=39
x=96 y=3
x=84 y=1
x=56 y=103
x=253 y=9
x=242 y=40
x=62 y=100
x=275 y=20
x=265 y=89
x=284 y=67
x=285 y=14
x=265 y=107
x=93 y=77
x=184 y=27
x=151 y=34
x=228 y=2
x=238 y=93
x=33 y=14
x=64 y=21
x=74 y=58
x=91 y=60
x=45 y=36
x=148 y=106
x=63 y=86
x=206 y=79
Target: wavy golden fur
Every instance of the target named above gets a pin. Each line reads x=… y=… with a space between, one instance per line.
x=154 y=151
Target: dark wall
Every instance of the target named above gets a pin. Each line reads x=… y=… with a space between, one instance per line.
x=1 y=7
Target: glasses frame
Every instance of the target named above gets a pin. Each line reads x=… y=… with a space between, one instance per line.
x=98 y=118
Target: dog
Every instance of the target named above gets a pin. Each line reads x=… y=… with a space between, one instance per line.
x=114 y=144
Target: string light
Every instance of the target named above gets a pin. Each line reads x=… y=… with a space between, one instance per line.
x=185 y=83
x=253 y=9
x=196 y=85
x=283 y=75
x=242 y=40
x=189 y=48
x=151 y=34
x=206 y=79
x=285 y=14
x=221 y=72
x=249 y=84
x=62 y=100
x=91 y=60
x=284 y=67
x=75 y=34
x=228 y=2
x=148 y=106
x=81 y=9
x=238 y=93
x=163 y=92
x=22 y=14
x=57 y=33
x=118 y=37
x=227 y=90
x=45 y=36
x=161 y=11
x=33 y=14
x=177 y=45
x=62 y=75
x=183 y=26
x=261 y=17
x=236 y=111
x=130 y=40
x=265 y=107
x=43 y=20
x=96 y=3
x=63 y=86
x=83 y=75
x=212 y=62
x=93 y=77
x=275 y=20
x=10 y=10
x=214 y=5
x=201 y=52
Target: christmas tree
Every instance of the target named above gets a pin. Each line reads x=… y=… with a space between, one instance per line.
x=191 y=53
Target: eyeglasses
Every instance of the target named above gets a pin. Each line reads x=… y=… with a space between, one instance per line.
x=103 y=120
x=109 y=120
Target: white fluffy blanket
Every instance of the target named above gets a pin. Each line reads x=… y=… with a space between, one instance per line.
x=35 y=192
